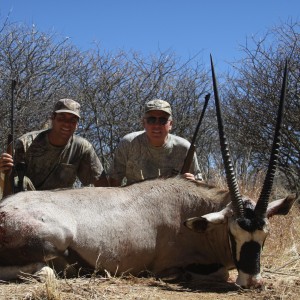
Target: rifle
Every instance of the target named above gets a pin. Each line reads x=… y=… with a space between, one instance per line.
x=9 y=184
x=190 y=154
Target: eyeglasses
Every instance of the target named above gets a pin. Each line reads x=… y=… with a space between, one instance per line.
x=65 y=120
x=159 y=120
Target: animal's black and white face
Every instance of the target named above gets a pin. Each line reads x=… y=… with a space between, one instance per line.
x=247 y=236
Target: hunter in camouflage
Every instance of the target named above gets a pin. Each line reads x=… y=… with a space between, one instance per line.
x=154 y=152
x=55 y=157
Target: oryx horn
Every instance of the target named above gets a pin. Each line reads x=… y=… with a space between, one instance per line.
x=262 y=203
x=230 y=176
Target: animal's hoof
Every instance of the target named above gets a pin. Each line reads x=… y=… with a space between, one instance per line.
x=46 y=274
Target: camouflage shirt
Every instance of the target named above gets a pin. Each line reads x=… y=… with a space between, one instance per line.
x=51 y=167
x=135 y=159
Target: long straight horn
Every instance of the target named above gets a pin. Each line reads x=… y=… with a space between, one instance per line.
x=230 y=176
x=262 y=203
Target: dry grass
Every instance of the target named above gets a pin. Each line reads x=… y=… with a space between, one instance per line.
x=280 y=268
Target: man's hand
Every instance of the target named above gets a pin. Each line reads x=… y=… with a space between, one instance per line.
x=189 y=176
x=6 y=162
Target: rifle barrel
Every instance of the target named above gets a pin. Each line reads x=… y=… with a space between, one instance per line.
x=190 y=154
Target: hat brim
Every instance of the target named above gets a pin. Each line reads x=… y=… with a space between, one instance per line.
x=67 y=111
x=159 y=109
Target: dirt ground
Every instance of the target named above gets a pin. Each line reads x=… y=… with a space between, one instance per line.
x=280 y=270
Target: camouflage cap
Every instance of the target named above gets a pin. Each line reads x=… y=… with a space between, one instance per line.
x=158 y=104
x=67 y=105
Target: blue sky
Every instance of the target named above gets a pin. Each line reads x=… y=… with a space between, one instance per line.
x=186 y=27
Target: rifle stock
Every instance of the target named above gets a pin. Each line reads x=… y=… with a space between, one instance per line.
x=190 y=154
x=188 y=159
x=8 y=185
x=8 y=175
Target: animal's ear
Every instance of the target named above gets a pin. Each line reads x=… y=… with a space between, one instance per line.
x=197 y=224
x=281 y=206
x=209 y=221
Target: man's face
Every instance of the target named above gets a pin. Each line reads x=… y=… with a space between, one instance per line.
x=157 y=126
x=64 y=125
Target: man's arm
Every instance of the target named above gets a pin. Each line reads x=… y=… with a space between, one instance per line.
x=117 y=169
